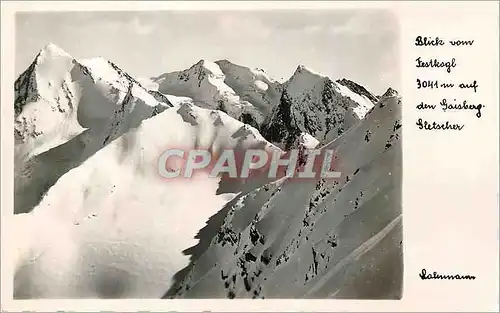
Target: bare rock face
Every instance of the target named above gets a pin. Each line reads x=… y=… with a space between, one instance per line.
x=316 y=105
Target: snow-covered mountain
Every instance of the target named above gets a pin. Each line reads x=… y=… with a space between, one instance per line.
x=205 y=83
x=307 y=103
x=252 y=85
x=56 y=87
x=112 y=227
x=95 y=219
x=317 y=238
x=357 y=88
x=389 y=93
x=314 y=104
x=65 y=111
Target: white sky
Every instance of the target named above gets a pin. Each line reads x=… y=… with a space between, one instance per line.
x=361 y=45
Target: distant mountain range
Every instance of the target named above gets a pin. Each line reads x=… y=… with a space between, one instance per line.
x=94 y=219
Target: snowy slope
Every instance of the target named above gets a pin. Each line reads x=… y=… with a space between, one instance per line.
x=314 y=104
x=112 y=227
x=307 y=141
x=357 y=88
x=252 y=85
x=44 y=103
x=315 y=239
x=204 y=82
x=66 y=110
x=308 y=102
x=147 y=83
x=95 y=219
x=56 y=87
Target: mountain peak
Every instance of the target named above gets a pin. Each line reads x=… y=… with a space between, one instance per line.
x=51 y=49
x=223 y=61
x=200 y=62
x=302 y=69
x=390 y=93
x=209 y=66
x=303 y=78
x=49 y=53
x=225 y=65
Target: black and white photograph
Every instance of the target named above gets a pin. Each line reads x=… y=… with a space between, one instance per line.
x=210 y=154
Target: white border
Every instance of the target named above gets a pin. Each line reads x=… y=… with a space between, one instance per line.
x=450 y=200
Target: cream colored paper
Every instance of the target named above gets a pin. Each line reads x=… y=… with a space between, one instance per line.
x=450 y=180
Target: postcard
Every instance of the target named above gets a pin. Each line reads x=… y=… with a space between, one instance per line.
x=250 y=155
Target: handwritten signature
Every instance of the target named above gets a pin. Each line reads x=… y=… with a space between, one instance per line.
x=424 y=275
